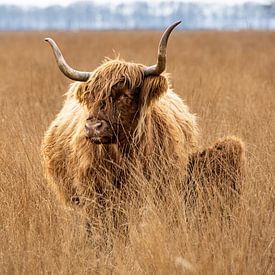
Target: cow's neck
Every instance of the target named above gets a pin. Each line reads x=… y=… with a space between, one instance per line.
x=117 y=152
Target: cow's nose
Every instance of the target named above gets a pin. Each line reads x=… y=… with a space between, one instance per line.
x=94 y=128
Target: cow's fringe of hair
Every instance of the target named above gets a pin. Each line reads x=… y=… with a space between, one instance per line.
x=110 y=73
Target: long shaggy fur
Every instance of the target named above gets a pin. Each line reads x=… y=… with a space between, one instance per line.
x=217 y=172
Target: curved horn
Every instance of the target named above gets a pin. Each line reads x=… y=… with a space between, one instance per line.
x=64 y=67
x=161 y=62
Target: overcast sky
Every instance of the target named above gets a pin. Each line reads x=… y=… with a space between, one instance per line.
x=44 y=3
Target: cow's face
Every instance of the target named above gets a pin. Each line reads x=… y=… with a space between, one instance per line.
x=116 y=93
x=114 y=98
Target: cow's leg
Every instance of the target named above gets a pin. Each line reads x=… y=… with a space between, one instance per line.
x=217 y=172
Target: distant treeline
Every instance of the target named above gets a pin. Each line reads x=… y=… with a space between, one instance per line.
x=138 y=15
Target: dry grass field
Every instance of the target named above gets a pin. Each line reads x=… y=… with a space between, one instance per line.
x=227 y=79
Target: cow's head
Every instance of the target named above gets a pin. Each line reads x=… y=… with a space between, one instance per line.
x=115 y=94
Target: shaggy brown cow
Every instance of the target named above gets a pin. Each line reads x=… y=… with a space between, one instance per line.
x=122 y=120
x=119 y=122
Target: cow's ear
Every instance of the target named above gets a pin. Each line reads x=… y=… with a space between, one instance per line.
x=152 y=88
x=80 y=91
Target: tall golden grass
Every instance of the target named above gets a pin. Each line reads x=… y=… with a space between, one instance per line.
x=228 y=79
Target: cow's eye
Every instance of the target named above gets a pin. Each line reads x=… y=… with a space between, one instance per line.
x=119 y=85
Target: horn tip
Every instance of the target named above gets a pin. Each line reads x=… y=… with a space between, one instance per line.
x=177 y=23
x=47 y=39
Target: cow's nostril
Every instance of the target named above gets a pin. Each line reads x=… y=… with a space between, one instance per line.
x=97 y=126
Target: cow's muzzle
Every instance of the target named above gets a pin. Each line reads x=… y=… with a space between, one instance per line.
x=99 y=131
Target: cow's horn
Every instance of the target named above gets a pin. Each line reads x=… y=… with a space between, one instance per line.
x=64 y=67
x=161 y=62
